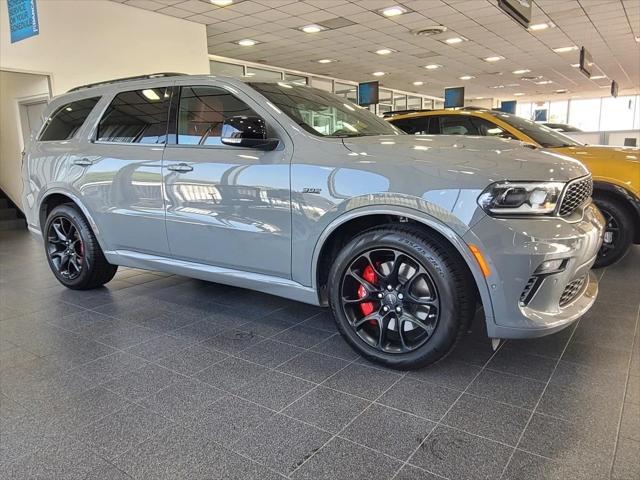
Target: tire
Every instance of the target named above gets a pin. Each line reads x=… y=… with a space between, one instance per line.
x=618 y=230
x=73 y=253
x=439 y=293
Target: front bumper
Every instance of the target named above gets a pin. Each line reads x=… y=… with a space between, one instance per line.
x=526 y=303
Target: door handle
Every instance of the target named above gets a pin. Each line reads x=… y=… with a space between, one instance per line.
x=83 y=162
x=180 y=167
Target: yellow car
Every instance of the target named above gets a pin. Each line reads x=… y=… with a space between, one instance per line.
x=615 y=170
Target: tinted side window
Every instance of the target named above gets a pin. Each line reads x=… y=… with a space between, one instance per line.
x=490 y=129
x=202 y=112
x=67 y=120
x=457 y=125
x=139 y=116
x=413 y=126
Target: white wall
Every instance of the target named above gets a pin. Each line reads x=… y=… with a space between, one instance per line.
x=13 y=88
x=92 y=40
x=85 y=41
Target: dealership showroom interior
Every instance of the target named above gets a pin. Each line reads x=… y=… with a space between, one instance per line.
x=320 y=239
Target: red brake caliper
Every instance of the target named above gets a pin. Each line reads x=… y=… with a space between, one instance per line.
x=370 y=276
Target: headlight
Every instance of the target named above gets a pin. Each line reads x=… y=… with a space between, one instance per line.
x=521 y=198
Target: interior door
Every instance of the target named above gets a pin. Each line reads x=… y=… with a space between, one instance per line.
x=226 y=206
x=31 y=116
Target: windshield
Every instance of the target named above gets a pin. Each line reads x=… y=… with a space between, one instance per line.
x=544 y=136
x=322 y=113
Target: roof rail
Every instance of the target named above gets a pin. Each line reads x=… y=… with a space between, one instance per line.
x=126 y=79
x=402 y=112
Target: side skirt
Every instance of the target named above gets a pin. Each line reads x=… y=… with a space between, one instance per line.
x=278 y=286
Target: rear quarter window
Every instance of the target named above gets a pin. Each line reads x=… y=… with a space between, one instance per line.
x=67 y=120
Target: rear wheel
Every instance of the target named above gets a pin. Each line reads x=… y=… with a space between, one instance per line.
x=73 y=252
x=618 y=233
x=400 y=298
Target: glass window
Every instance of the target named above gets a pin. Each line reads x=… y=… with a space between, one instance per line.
x=298 y=79
x=585 y=114
x=202 y=112
x=399 y=101
x=262 y=74
x=490 y=129
x=414 y=126
x=524 y=110
x=618 y=113
x=348 y=91
x=543 y=136
x=139 y=116
x=558 y=111
x=414 y=103
x=457 y=125
x=438 y=104
x=67 y=120
x=322 y=84
x=226 y=69
x=322 y=113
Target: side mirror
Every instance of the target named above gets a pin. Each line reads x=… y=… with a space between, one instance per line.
x=251 y=132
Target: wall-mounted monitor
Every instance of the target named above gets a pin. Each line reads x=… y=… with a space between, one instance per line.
x=519 y=10
x=368 y=93
x=614 y=88
x=586 y=62
x=454 y=97
x=508 y=106
x=540 y=115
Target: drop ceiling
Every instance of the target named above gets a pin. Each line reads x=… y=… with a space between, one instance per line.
x=607 y=28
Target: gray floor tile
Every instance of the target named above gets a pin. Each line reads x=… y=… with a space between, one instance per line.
x=487 y=418
x=525 y=465
x=275 y=390
x=143 y=381
x=420 y=398
x=335 y=346
x=302 y=336
x=231 y=374
x=231 y=466
x=409 y=472
x=233 y=341
x=228 y=419
x=362 y=381
x=128 y=336
x=448 y=373
x=270 y=353
x=182 y=398
x=515 y=362
x=312 y=366
x=455 y=454
x=327 y=409
x=343 y=460
x=630 y=423
x=517 y=391
x=627 y=461
x=281 y=443
x=193 y=359
x=109 y=367
x=159 y=347
x=390 y=431
x=116 y=433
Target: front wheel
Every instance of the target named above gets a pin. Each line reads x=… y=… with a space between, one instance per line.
x=618 y=231
x=399 y=297
x=73 y=252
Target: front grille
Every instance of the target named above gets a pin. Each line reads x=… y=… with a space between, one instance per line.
x=575 y=194
x=572 y=290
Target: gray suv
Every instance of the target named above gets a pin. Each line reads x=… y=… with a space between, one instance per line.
x=297 y=192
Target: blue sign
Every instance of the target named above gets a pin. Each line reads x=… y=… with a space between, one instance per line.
x=23 y=19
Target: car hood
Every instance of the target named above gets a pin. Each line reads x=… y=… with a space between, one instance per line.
x=604 y=152
x=483 y=159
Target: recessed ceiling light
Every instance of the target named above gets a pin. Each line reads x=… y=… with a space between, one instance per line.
x=454 y=40
x=313 y=28
x=575 y=65
x=497 y=86
x=326 y=60
x=520 y=72
x=638 y=38
x=385 y=51
x=221 y=3
x=479 y=98
x=466 y=77
x=393 y=11
x=418 y=83
x=544 y=82
x=540 y=26
x=432 y=66
x=565 y=49
x=562 y=90
x=377 y=74
x=246 y=42
x=519 y=94
x=597 y=77
x=495 y=58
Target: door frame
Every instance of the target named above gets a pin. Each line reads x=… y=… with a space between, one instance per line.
x=23 y=103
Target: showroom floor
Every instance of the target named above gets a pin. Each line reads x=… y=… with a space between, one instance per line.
x=162 y=376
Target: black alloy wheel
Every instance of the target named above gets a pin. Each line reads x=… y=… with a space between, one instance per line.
x=618 y=231
x=390 y=300
x=65 y=248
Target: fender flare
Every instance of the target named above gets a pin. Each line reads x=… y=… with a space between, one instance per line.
x=454 y=239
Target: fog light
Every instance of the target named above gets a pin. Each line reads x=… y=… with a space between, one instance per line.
x=551 y=266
